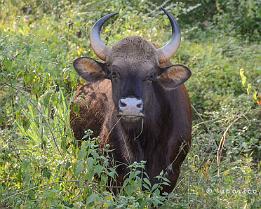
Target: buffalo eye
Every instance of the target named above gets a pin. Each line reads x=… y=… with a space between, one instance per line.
x=150 y=78
x=114 y=75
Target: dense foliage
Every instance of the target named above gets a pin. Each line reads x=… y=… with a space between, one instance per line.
x=41 y=165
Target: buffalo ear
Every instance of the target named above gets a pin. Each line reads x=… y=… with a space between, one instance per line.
x=89 y=69
x=173 y=76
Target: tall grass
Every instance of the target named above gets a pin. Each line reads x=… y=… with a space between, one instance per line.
x=41 y=165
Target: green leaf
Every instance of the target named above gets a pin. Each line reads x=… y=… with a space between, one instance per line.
x=92 y=198
x=147 y=182
x=243 y=77
x=79 y=167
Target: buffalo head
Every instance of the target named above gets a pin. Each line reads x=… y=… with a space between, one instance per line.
x=136 y=69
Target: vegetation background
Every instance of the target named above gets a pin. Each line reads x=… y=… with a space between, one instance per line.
x=40 y=164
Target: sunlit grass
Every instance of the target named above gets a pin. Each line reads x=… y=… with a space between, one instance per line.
x=40 y=164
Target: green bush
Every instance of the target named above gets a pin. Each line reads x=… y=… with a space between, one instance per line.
x=41 y=165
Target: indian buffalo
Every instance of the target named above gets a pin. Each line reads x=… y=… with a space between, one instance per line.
x=136 y=101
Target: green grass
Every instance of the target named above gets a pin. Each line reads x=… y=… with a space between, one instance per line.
x=40 y=164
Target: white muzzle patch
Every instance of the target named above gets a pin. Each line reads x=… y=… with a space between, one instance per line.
x=131 y=106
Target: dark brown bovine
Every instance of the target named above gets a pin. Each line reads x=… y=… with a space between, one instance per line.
x=136 y=102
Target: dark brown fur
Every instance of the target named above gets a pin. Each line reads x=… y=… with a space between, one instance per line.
x=165 y=138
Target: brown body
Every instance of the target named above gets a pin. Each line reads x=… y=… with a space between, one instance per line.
x=163 y=144
x=137 y=103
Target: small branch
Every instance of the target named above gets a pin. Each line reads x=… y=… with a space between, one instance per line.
x=200 y=117
x=222 y=142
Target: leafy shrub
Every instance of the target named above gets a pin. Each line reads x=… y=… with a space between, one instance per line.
x=41 y=165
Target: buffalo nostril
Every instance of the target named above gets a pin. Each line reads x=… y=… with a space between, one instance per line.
x=139 y=105
x=122 y=104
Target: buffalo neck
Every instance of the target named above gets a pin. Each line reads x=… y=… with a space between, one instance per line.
x=147 y=133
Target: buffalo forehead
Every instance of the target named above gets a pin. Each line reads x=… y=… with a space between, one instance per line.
x=134 y=50
x=128 y=65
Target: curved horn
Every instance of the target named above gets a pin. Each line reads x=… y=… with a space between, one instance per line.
x=171 y=47
x=100 y=49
